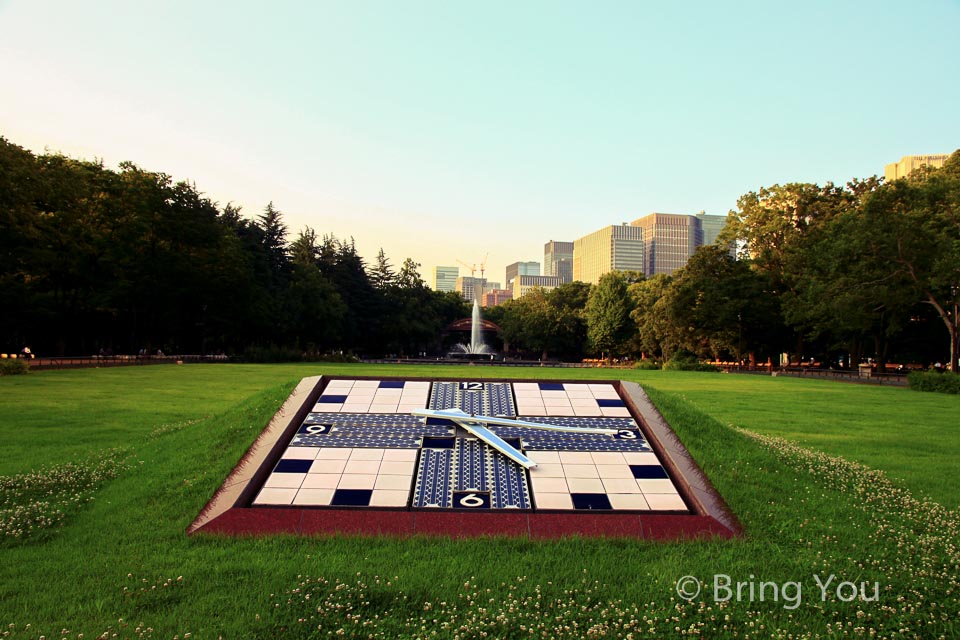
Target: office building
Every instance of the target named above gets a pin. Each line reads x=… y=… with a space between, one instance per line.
x=711 y=226
x=496 y=297
x=523 y=284
x=445 y=278
x=472 y=288
x=521 y=269
x=614 y=248
x=558 y=260
x=669 y=239
x=897 y=170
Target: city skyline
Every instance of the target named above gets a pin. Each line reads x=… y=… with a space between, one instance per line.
x=445 y=132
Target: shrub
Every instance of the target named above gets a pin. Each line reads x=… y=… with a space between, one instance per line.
x=647 y=365
x=945 y=382
x=687 y=362
x=14 y=367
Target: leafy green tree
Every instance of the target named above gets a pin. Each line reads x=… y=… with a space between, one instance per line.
x=608 y=315
x=654 y=336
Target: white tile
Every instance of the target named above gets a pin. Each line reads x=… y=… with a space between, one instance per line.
x=383 y=408
x=388 y=498
x=362 y=466
x=549 y=485
x=587 y=412
x=366 y=384
x=585 y=485
x=615 y=412
x=417 y=384
x=404 y=467
x=580 y=471
x=275 y=496
x=395 y=482
x=327 y=466
x=620 y=485
x=321 y=481
x=332 y=453
x=526 y=386
x=554 y=395
x=355 y=407
x=357 y=481
x=587 y=403
x=608 y=457
x=561 y=411
x=547 y=470
x=577 y=390
x=529 y=410
x=553 y=501
x=285 y=480
x=409 y=408
x=324 y=407
x=545 y=457
x=318 y=497
x=640 y=457
x=628 y=501
x=362 y=393
x=614 y=471
x=665 y=502
x=396 y=455
x=300 y=453
x=576 y=457
x=366 y=454
x=662 y=485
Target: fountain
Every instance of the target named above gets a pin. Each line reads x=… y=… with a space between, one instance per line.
x=476 y=346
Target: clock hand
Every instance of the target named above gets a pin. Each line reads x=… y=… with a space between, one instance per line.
x=453 y=414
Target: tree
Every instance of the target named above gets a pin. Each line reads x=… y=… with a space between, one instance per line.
x=915 y=226
x=382 y=275
x=608 y=315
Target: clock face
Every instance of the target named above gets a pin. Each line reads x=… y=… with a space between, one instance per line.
x=359 y=447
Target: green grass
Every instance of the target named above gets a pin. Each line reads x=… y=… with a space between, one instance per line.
x=124 y=554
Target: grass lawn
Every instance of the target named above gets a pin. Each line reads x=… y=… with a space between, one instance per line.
x=104 y=469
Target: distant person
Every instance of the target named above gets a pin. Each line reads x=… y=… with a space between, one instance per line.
x=26 y=353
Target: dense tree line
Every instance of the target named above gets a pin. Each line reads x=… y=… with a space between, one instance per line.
x=92 y=258
x=832 y=273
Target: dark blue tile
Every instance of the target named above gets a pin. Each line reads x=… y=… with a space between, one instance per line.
x=392 y=384
x=648 y=471
x=332 y=399
x=438 y=443
x=351 y=498
x=293 y=466
x=471 y=500
x=591 y=501
x=550 y=386
x=611 y=402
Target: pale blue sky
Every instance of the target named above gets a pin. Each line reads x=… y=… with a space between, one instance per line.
x=446 y=130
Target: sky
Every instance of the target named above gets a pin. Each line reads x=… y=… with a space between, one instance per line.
x=446 y=131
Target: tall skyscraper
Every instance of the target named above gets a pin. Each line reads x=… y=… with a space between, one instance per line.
x=521 y=269
x=711 y=226
x=445 y=278
x=558 y=260
x=897 y=170
x=669 y=239
x=614 y=248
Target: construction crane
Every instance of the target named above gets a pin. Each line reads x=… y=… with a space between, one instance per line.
x=473 y=267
